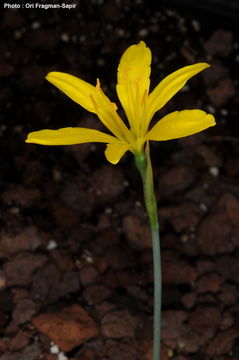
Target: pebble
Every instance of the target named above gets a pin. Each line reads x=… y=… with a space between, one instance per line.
x=175 y=180
x=96 y=293
x=205 y=318
x=88 y=275
x=117 y=258
x=222 y=342
x=196 y=25
x=30 y=352
x=211 y=109
x=209 y=156
x=19 y=270
x=2 y=280
x=122 y=351
x=108 y=182
x=176 y=271
x=214 y=171
x=224 y=112
x=77 y=197
x=220 y=94
x=118 y=324
x=52 y=244
x=203 y=207
x=137 y=233
x=172 y=321
x=20 y=341
x=218 y=233
x=209 y=283
x=220 y=43
x=67 y=327
x=62 y=356
x=143 y=32
x=24 y=311
x=28 y=239
x=189 y=300
x=36 y=25
x=65 y=37
x=181 y=217
x=228 y=294
x=54 y=349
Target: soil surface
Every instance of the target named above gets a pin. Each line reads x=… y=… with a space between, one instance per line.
x=75 y=250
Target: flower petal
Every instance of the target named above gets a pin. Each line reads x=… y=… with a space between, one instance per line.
x=92 y=99
x=78 y=90
x=133 y=81
x=106 y=111
x=68 y=136
x=179 y=124
x=115 y=151
x=169 y=86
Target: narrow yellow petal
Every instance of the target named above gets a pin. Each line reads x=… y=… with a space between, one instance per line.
x=78 y=90
x=133 y=81
x=68 y=136
x=169 y=86
x=115 y=151
x=179 y=124
x=92 y=99
x=106 y=111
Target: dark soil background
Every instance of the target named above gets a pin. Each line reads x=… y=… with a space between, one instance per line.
x=75 y=250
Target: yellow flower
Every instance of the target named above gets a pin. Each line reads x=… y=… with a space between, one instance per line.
x=139 y=106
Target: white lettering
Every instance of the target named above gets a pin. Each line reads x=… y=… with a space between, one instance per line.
x=47 y=6
x=29 y=6
x=37 y=5
x=11 y=6
x=68 y=6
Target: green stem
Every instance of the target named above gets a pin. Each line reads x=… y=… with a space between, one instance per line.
x=157 y=293
x=143 y=164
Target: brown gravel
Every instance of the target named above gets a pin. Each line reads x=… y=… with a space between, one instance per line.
x=76 y=256
x=74 y=323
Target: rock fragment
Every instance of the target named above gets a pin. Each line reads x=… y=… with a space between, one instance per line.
x=68 y=327
x=219 y=43
x=137 y=233
x=118 y=324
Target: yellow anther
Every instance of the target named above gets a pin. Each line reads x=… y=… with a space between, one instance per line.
x=97 y=84
x=114 y=106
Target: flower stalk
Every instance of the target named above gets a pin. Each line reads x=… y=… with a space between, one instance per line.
x=143 y=164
